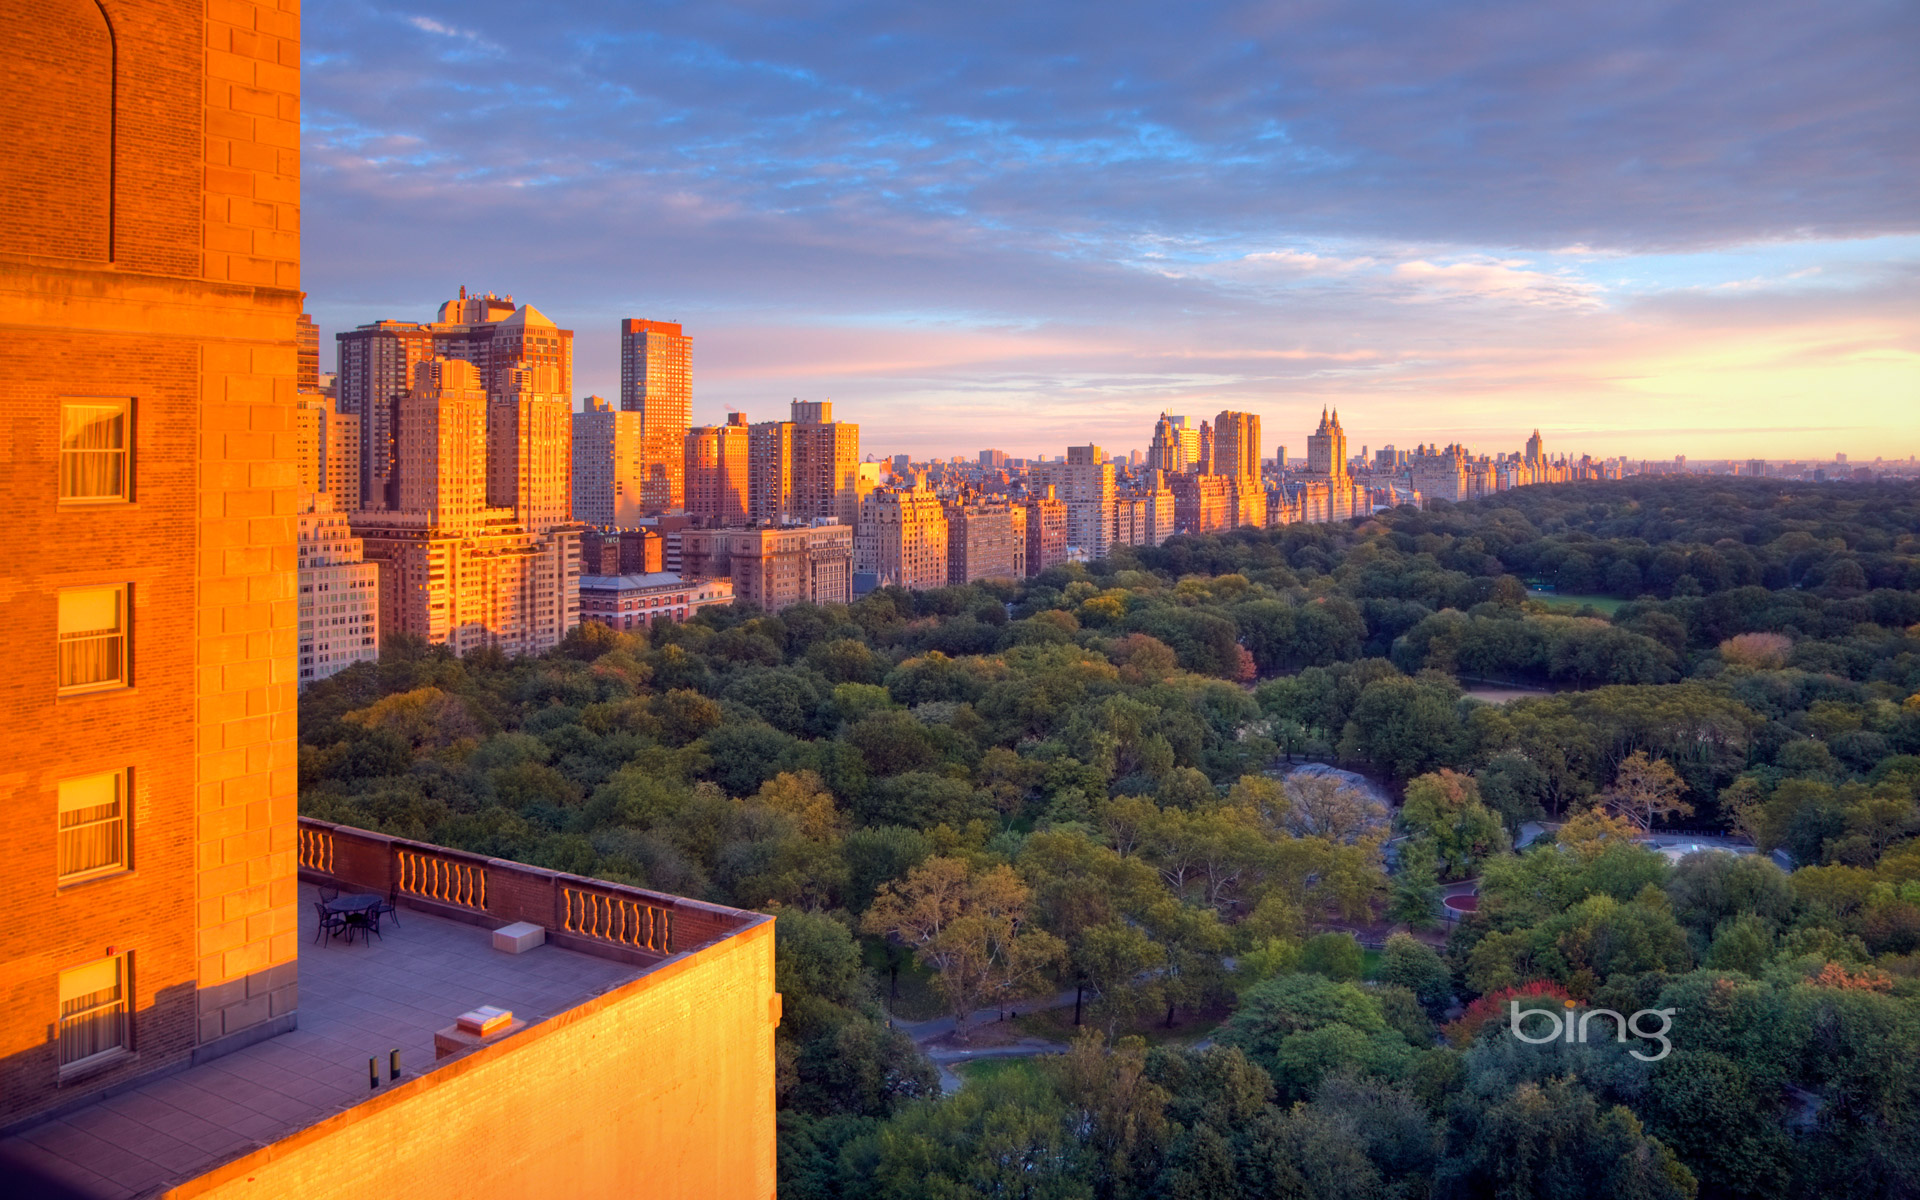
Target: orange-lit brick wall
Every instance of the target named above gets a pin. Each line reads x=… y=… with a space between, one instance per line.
x=164 y=270
x=661 y=1089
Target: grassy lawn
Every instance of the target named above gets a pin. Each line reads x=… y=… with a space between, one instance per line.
x=1371 y=963
x=981 y=1069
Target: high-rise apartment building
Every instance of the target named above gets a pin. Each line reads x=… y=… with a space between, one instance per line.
x=656 y=381
x=773 y=566
x=717 y=458
x=376 y=365
x=608 y=466
x=339 y=594
x=150 y=284
x=530 y=450
x=327 y=451
x=455 y=568
x=770 y=472
x=1046 y=529
x=1085 y=482
x=1327 y=449
x=507 y=347
x=985 y=540
x=1236 y=445
x=902 y=539
x=826 y=464
x=805 y=468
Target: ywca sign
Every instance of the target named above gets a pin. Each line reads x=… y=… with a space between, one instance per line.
x=1571 y=1026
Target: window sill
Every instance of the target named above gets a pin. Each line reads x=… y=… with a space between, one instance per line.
x=68 y=883
x=79 y=502
x=91 y=689
x=91 y=1066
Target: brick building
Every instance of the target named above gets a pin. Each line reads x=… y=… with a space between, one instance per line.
x=630 y=602
x=153 y=866
x=456 y=568
x=902 y=539
x=1046 y=530
x=150 y=284
x=609 y=465
x=986 y=541
x=717 y=472
x=772 y=566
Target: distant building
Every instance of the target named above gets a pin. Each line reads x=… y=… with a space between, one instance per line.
x=512 y=349
x=993 y=458
x=656 y=381
x=455 y=569
x=640 y=551
x=630 y=602
x=326 y=445
x=717 y=472
x=306 y=355
x=609 y=465
x=986 y=541
x=902 y=539
x=773 y=566
x=1202 y=503
x=339 y=593
x=1046 y=530
x=1085 y=483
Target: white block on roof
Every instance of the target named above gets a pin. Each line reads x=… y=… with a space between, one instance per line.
x=519 y=937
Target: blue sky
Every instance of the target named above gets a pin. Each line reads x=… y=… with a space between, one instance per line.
x=1646 y=229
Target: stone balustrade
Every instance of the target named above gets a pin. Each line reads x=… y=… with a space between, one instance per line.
x=590 y=915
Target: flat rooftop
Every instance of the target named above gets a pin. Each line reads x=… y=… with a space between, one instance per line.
x=357 y=1002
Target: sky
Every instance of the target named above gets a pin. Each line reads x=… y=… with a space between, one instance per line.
x=1645 y=229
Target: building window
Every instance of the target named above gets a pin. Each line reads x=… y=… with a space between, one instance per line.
x=93 y=825
x=95 y=449
x=93 y=638
x=93 y=1012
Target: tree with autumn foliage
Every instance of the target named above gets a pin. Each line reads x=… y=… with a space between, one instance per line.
x=971 y=925
x=1646 y=790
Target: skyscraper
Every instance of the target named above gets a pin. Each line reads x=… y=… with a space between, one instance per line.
x=607 y=465
x=339 y=594
x=826 y=464
x=1327 y=449
x=1236 y=445
x=656 y=381
x=716 y=472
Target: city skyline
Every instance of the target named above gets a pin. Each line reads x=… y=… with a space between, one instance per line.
x=1647 y=235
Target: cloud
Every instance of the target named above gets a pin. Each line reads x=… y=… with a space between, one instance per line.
x=1065 y=214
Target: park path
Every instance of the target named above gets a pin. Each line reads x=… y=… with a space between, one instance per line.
x=924 y=1033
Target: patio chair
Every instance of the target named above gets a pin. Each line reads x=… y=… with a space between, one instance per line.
x=328 y=894
x=330 y=922
x=390 y=907
x=367 y=921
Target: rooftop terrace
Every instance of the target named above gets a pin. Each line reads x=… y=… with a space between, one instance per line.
x=361 y=1001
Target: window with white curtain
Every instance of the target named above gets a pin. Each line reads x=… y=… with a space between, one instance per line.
x=96 y=450
x=93 y=1012
x=93 y=825
x=93 y=638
